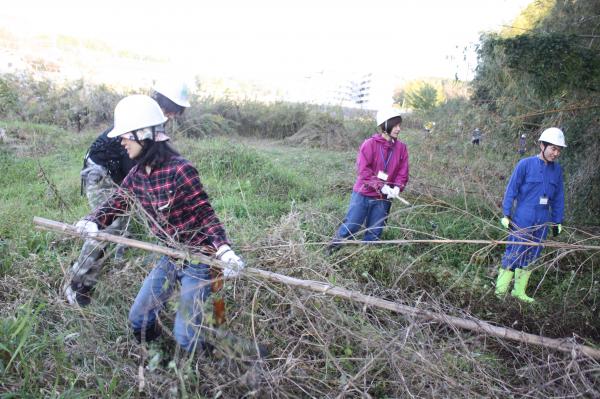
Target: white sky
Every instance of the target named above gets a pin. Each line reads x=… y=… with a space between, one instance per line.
x=280 y=40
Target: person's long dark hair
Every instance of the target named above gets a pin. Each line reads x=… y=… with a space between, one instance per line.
x=155 y=153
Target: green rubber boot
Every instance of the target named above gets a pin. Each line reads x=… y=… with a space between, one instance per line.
x=521 y=280
x=503 y=281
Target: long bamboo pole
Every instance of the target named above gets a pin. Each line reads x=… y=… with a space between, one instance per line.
x=476 y=325
x=549 y=244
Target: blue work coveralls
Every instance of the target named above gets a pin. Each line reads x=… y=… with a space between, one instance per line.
x=536 y=191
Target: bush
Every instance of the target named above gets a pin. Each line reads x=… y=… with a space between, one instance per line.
x=208 y=125
x=71 y=105
x=251 y=118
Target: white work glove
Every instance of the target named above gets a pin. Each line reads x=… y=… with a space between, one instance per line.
x=387 y=190
x=390 y=192
x=86 y=227
x=226 y=254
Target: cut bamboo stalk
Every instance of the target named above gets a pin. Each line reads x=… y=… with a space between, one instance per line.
x=473 y=324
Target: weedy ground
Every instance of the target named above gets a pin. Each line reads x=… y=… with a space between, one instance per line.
x=280 y=205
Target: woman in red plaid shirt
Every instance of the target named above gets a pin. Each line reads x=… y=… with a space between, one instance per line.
x=168 y=189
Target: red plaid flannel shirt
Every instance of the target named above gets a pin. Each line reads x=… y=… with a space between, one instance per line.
x=176 y=203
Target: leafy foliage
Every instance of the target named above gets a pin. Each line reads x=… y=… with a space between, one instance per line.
x=426 y=94
x=250 y=118
x=552 y=65
x=422 y=98
x=529 y=18
x=69 y=105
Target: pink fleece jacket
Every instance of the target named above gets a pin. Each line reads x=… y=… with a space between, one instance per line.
x=373 y=155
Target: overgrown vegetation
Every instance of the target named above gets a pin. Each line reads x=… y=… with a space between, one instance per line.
x=279 y=176
x=280 y=210
x=77 y=105
x=543 y=71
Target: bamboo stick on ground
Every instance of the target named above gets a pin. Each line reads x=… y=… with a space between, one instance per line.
x=473 y=324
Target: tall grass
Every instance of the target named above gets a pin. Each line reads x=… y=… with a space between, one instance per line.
x=281 y=205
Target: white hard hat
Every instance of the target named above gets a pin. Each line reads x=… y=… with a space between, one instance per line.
x=177 y=92
x=136 y=112
x=387 y=114
x=553 y=135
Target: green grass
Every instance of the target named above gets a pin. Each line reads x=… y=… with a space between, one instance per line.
x=269 y=195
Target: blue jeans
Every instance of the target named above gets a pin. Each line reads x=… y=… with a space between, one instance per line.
x=158 y=288
x=373 y=212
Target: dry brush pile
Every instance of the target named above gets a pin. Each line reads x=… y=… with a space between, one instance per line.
x=322 y=346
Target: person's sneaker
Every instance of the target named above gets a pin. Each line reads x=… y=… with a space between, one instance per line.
x=149 y=334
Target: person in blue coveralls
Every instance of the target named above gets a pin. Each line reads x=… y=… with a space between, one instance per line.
x=533 y=203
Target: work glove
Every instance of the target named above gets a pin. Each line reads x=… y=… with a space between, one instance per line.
x=395 y=193
x=390 y=192
x=226 y=254
x=505 y=222
x=556 y=229
x=386 y=190
x=86 y=227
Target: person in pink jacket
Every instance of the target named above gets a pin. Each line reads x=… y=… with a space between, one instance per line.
x=382 y=165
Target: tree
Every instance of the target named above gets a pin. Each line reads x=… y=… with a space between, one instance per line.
x=399 y=96
x=421 y=96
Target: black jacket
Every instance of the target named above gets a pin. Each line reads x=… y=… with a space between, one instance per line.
x=108 y=152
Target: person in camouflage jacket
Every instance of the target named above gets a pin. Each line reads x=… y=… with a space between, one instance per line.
x=105 y=165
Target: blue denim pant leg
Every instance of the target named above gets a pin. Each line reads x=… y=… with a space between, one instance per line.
x=356 y=215
x=152 y=296
x=195 y=289
x=376 y=218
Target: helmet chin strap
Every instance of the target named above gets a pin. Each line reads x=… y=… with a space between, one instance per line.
x=544 y=152
x=136 y=138
x=388 y=137
x=385 y=133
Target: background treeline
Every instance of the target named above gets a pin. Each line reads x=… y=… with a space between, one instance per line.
x=78 y=105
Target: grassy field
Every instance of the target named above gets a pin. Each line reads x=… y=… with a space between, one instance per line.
x=280 y=206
